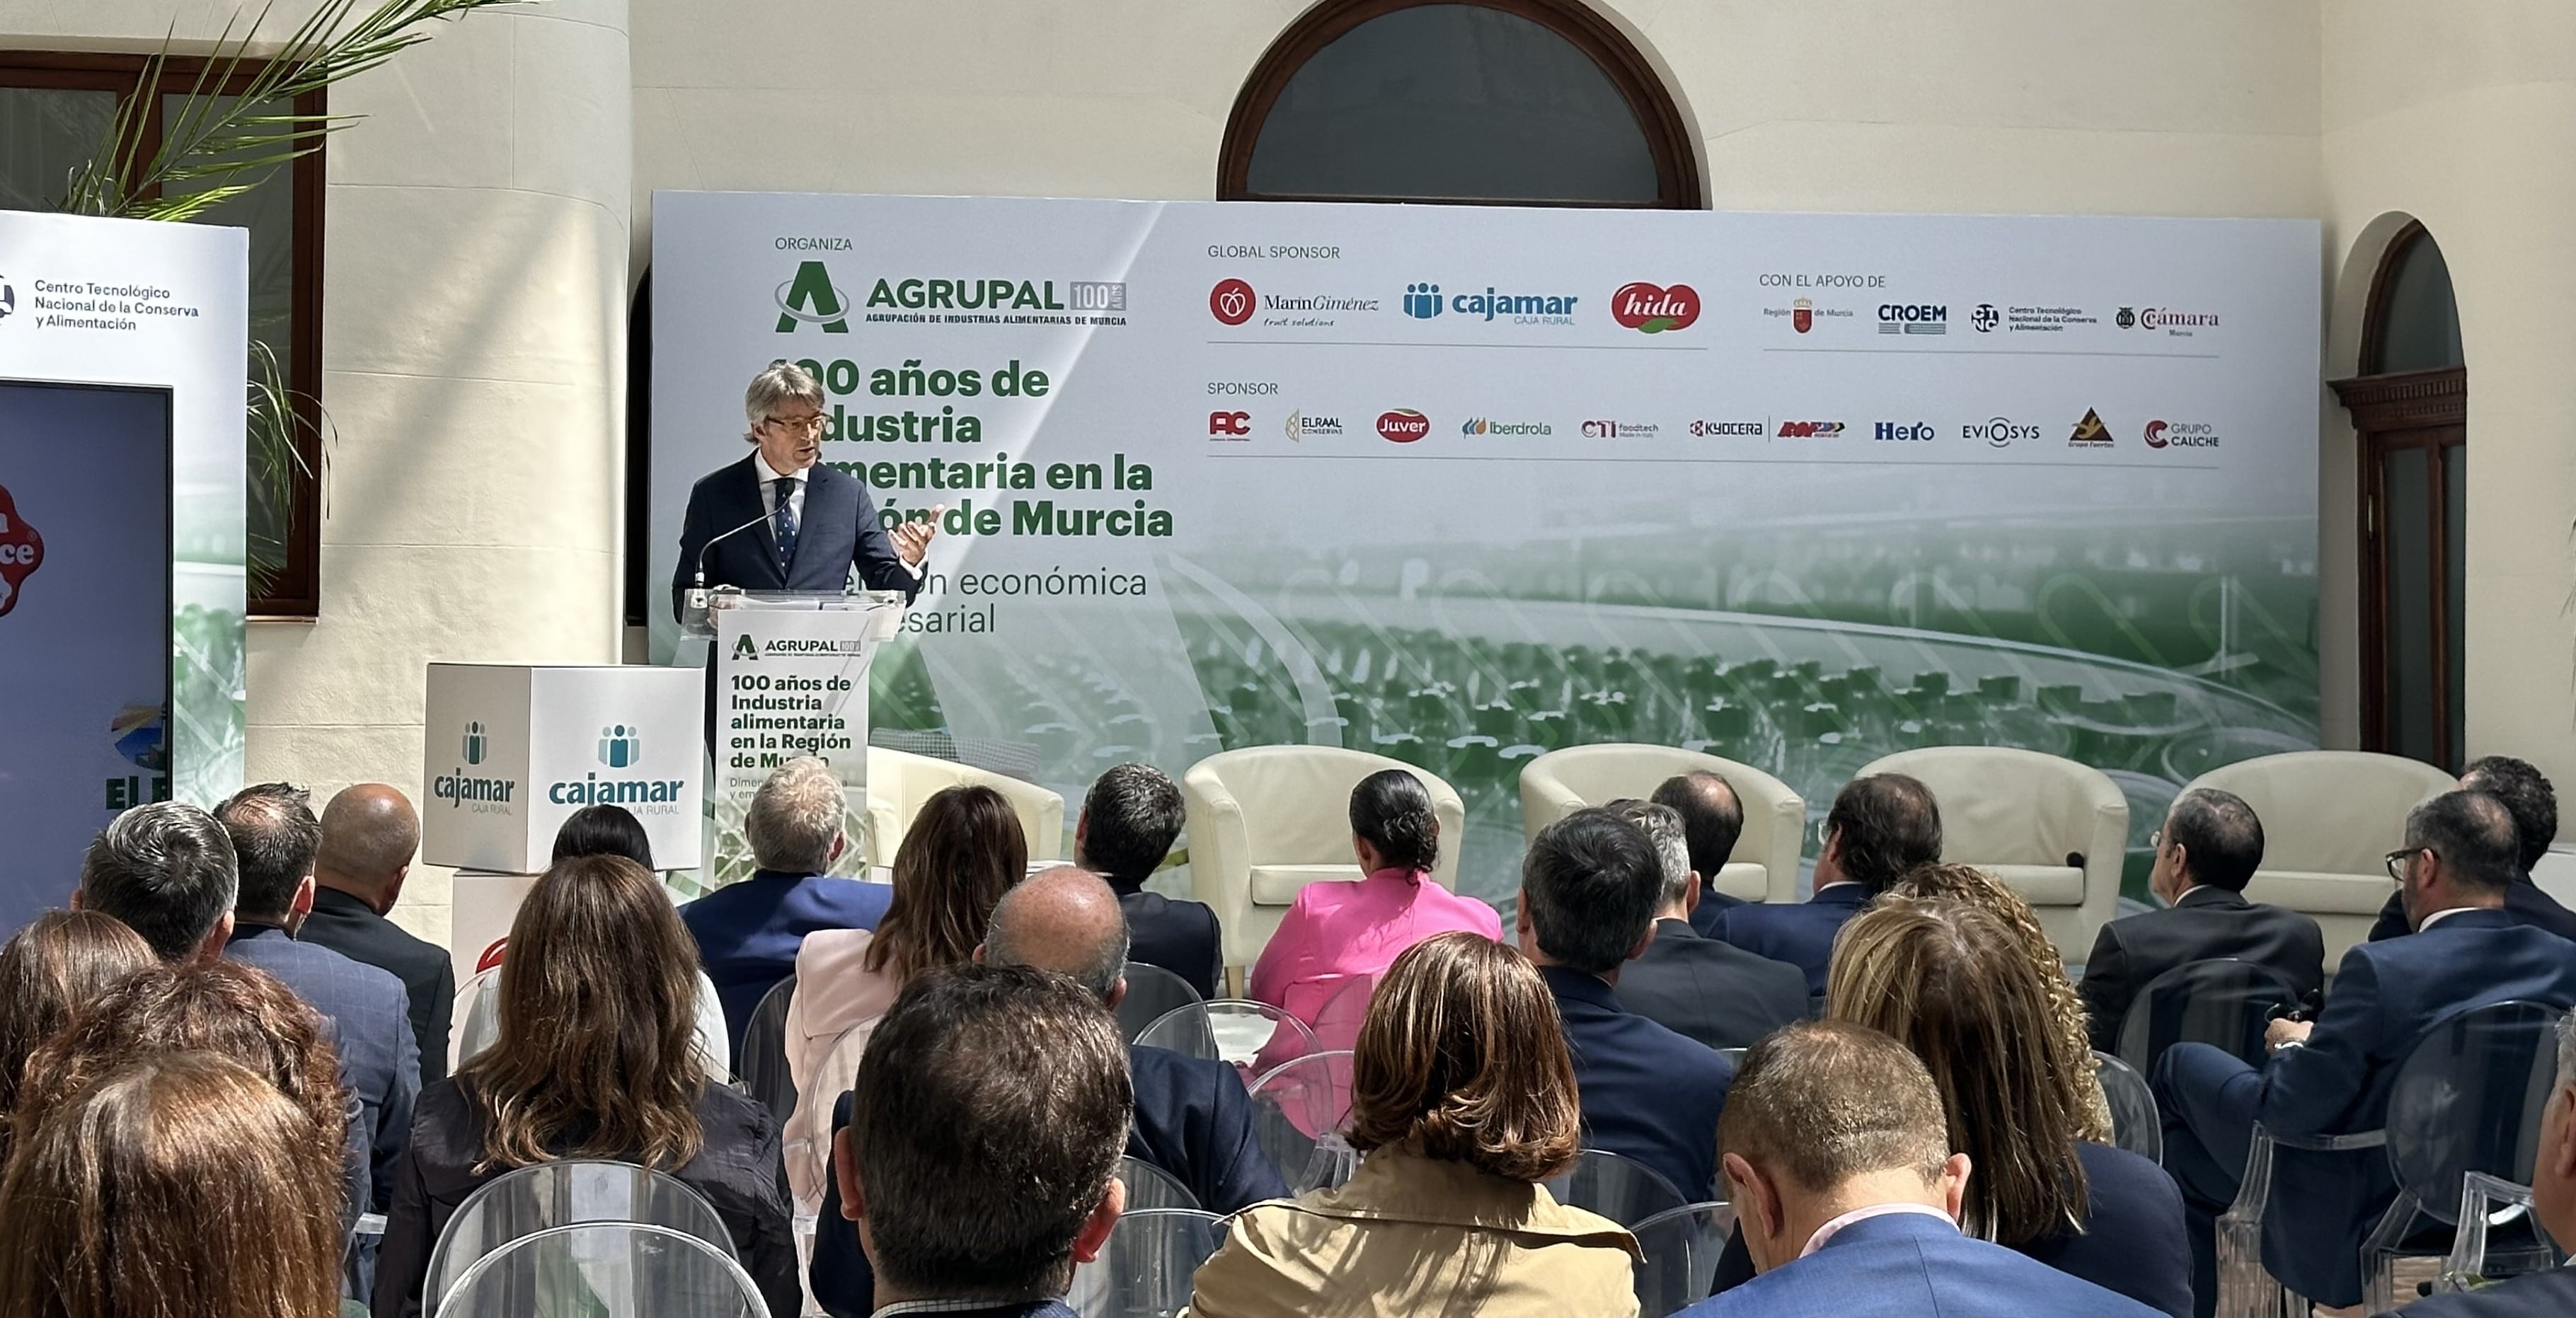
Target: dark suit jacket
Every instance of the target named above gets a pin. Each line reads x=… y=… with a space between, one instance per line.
x=1192 y=1119
x=748 y=932
x=1906 y=1265
x=1646 y=1092
x=353 y=929
x=839 y=532
x=370 y=1025
x=1714 y=992
x=1801 y=933
x=738 y=1168
x=2530 y=1296
x=2524 y=901
x=1179 y=936
x=1712 y=904
x=2208 y=923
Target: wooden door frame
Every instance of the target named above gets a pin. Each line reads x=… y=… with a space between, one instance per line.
x=2415 y=409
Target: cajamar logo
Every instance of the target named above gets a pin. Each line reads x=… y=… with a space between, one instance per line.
x=811 y=299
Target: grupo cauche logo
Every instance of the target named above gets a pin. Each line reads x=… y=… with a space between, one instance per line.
x=1403 y=425
x=1653 y=308
x=22 y=551
x=1232 y=301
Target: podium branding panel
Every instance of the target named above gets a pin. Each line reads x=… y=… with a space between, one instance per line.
x=514 y=751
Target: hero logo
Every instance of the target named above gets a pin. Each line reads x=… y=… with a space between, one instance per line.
x=22 y=551
x=1403 y=425
x=2000 y=432
x=2181 y=434
x=1654 y=309
x=1229 y=425
x=1810 y=429
x=1889 y=431
x=1231 y=301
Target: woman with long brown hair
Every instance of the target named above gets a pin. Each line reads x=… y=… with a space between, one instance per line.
x=1463 y=1099
x=174 y=1183
x=963 y=851
x=597 y=1059
x=50 y=971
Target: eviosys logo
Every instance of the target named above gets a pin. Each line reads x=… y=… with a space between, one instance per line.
x=22 y=551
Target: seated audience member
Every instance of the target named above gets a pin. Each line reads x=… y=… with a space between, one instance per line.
x=748 y=932
x=1714 y=992
x=50 y=972
x=612 y=830
x=2553 y=1205
x=1712 y=819
x=2526 y=796
x=1463 y=1099
x=1880 y=827
x=274 y=838
x=369 y=833
x=984 y=1162
x=1126 y=829
x=174 y=1183
x=2333 y=1076
x=1589 y=885
x=1839 y=1164
x=1334 y=932
x=2207 y=851
x=965 y=850
x=166 y=870
x=594 y=1061
x=1192 y=1118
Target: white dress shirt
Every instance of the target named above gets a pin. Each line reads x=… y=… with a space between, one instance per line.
x=1826 y=1232
x=796 y=502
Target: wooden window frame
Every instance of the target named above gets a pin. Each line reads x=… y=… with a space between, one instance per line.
x=1668 y=138
x=297 y=590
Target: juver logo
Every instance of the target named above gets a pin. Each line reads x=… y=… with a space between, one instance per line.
x=620 y=746
x=810 y=298
x=1403 y=425
x=1231 y=301
x=1653 y=309
x=22 y=551
x=1422 y=301
x=477 y=745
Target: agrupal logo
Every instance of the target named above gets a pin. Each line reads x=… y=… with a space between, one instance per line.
x=811 y=298
x=620 y=746
x=778 y=645
x=744 y=648
x=463 y=791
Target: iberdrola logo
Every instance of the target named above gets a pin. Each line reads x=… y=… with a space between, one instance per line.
x=22 y=551
x=811 y=298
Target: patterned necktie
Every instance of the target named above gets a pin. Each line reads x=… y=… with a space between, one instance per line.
x=784 y=521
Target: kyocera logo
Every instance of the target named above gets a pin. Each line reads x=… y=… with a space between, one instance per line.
x=22 y=551
x=1231 y=301
x=811 y=299
x=1654 y=309
x=1403 y=425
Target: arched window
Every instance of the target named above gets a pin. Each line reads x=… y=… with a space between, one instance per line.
x=1505 y=101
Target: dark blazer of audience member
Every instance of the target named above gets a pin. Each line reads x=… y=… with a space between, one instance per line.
x=173 y=1183
x=369 y=834
x=748 y=933
x=1712 y=819
x=1589 y=886
x=2333 y=1076
x=1711 y=991
x=1879 y=827
x=1848 y=1194
x=2528 y=797
x=1129 y=820
x=50 y=974
x=1192 y=1117
x=595 y=1060
x=1462 y=1098
x=2553 y=1205
x=993 y=1102
x=275 y=836
x=166 y=869
x=2207 y=851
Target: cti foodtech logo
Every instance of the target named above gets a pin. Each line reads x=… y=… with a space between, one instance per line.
x=22 y=551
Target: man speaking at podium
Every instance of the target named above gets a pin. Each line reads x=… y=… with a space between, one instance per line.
x=779 y=520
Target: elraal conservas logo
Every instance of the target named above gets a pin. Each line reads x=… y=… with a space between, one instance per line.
x=1913 y=318
x=1232 y=301
x=22 y=551
x=1423 y=301
x=1306 y=425
x=1403 y=425
x=1751 y=429
x=1653 y=308
x=2090 y=432
x=2180 y=434
x=1621 y=430
x=1999 y=431
x=472 y=792
x=478 y=744
x=1810 y=429
x=1905 y=432
x=1483 y=426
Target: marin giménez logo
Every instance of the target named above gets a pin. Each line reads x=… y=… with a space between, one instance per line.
x=1232 y=302
x=620 y=745
x=477 y=744
x=811 y=299
x=22 y=551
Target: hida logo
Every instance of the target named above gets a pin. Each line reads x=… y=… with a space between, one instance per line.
x=22 y=551
x=477 y=745
x=811 y=298
x=620 y=746
x=1653 y=309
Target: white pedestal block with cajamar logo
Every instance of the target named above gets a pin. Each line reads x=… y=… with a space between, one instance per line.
x=512 y=750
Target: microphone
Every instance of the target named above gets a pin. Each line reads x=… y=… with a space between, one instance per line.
x=696 y=599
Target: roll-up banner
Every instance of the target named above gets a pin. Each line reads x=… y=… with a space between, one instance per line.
x=1463 y=484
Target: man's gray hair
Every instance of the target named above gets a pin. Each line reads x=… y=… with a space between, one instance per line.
x=1663 y=827
x=167 y=871
x=778 y=382
x=795 y=817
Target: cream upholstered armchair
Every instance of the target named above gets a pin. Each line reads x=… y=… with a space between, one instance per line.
x=2330 y=818
x=1764 y=864
x=899 y=781
x=1266 y=821
x=2053 y=830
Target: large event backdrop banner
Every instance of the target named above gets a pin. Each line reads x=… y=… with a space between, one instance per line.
x=1463 y=484
x=122 y=353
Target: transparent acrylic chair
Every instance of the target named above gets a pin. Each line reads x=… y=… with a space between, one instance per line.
x=1680 y=1248
x=609 y=1269
x=1231 y=1030
x=763 y=1048
x=2225 y=1003
x=478 y=1017
x=2136 y=1125
x=2488 y=1203
x=1149 y=1186
x=1152 y=993
x=1144 y=1270
x=1622 y=1189
x=1300 y=1110
x=1337 y=1022
x=531 y=1200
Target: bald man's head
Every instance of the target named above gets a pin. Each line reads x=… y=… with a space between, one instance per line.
x=1065 y=920
x=369 y=833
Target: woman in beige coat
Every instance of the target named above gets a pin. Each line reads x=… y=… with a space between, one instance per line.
x=1463 y=1099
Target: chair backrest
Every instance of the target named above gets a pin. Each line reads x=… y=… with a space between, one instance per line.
x=2135 y=1123
x=1619 y=1188
x=1299 y=1111
x=899 y=781
x=1230 y=1030
x=1147 y=1263
x=1152 y=993
x=1558 y=783
x=2053 y=830
x=2329 y=812
x=2468 y=1098
x=477 y=1015
x=1681 y=1248
x=619 y=1269
x=763 y=1047
x=2223 y=1002
x=529 y=1200
x=1337 y=1023
x=1149 y=1186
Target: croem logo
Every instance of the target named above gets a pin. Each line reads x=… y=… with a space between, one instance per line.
x=1231 y=301
x=1403 y=425
x=1654 y=309
x=22 y=551
x=1913 y=318
x=1810 y=429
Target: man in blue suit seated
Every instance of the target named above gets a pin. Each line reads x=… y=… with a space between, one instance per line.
x=1712 y=818
x=2333 y=1077
x=1880 y=827
x=1192 y=1118
x=1589 y=888
x=748 y=932
x=1838 y=1163
x=987 y=1167
x=2533 y=803
x=1128 y=822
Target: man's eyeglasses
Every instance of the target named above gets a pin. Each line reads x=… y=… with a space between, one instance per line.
x=808 y=424
x=2397 y=859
